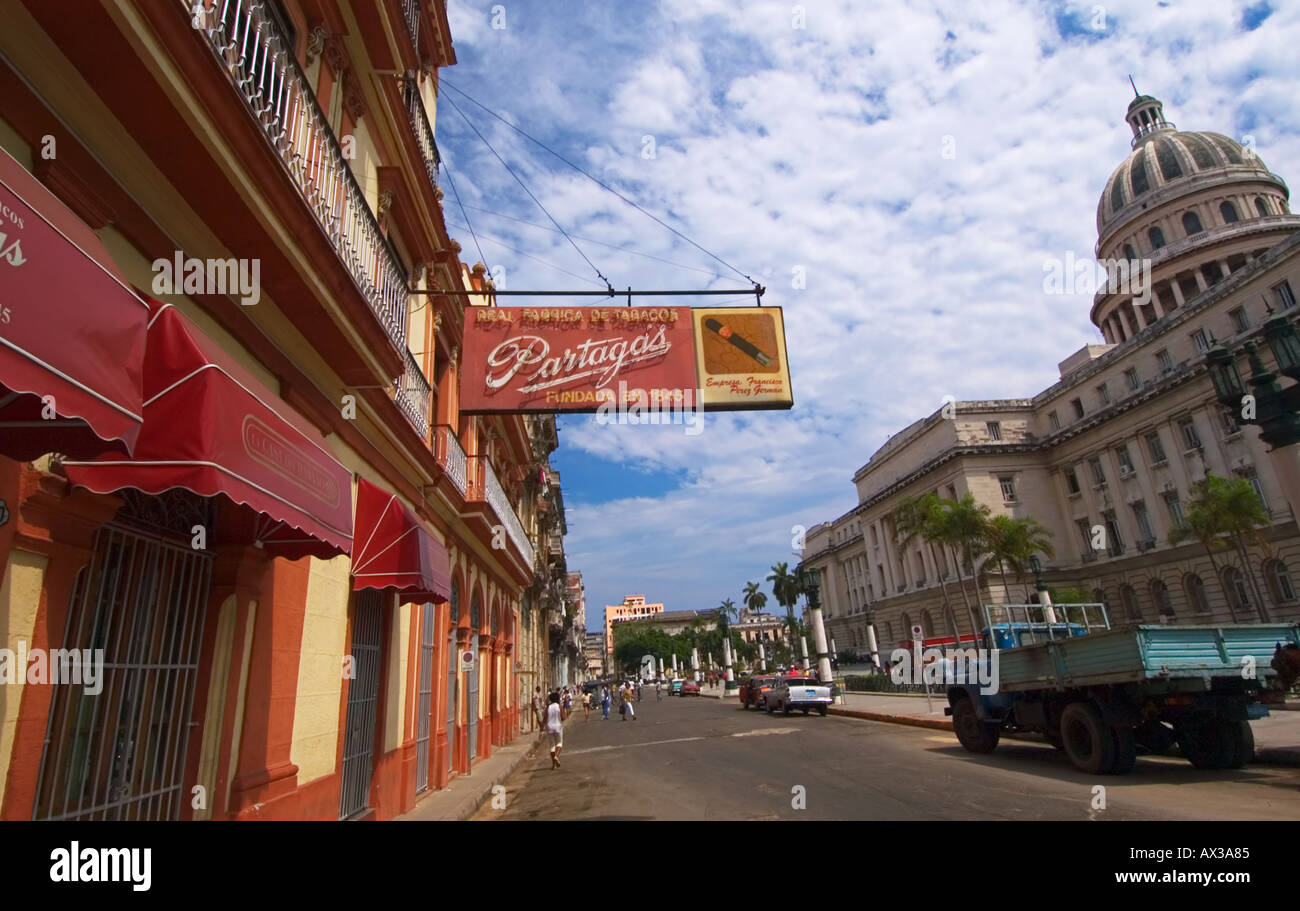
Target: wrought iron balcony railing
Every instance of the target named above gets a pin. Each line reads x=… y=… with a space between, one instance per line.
x=420 y=127
x=414 y=396
x=496 y=497
x=411 y=13
x=249 y=45
x=452 y=457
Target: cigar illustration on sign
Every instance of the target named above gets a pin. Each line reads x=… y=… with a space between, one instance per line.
x=739 y=341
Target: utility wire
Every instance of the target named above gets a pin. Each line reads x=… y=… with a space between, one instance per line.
x=628 y=250
x=470 y=124
x=450 y=180
x=592 y=178
x=500 y=242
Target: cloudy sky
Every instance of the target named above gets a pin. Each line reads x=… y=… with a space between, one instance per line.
x=918 y=162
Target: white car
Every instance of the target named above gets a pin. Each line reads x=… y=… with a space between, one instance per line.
x=806 y=693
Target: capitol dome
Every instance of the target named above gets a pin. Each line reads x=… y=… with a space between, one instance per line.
x=1167 y=162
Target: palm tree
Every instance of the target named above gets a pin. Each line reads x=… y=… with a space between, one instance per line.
x=1228 y=510
x=922 y=517
x=1013 y=541
x=755 y=600
x=964 y=527
x=785 y=586
x=726 y=612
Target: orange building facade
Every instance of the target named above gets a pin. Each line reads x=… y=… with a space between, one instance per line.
x=320 y=606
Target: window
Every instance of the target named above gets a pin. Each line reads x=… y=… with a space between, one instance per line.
x=1191 y=439
x=1146 y=537
x=1229 y=213
x=1212 y=272
x=1113 y=539
x=1240 y=322
x=1253 y=477
x=995 y=430
x=1134 y=381
x=1071 y=482
x=1129 y=597
x=1157 y=238
x=1260 y=206
x=1129 y=253
x=1201 y=341
x=1279 y=579
x=1284 y=296
x=1085 y=532
x=1191 y=223
x=1155 y=448
x=1103 y=395
x=1228 y=421
x=1054 y=420
x=1164 y=604
x=1098 y=475
x=1164 y=360
x=1008 y=484
x=1077 y=405
x=1175 y=507
x=1235 y=587
x=1194 y=587
x=1125 y=462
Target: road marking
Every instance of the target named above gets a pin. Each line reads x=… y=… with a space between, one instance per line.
x=622 y=746
x=761 y=731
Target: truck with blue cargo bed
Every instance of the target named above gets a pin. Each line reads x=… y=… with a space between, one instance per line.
x=1099 y=693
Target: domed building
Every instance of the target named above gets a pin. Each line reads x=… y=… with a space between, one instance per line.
x=1200 y=243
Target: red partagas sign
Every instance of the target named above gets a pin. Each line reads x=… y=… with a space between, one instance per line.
x=545 y=359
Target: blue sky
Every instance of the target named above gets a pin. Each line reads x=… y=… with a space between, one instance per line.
x=918 y=162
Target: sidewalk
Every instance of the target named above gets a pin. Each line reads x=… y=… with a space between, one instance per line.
x=466 y=792
x=1277 y=737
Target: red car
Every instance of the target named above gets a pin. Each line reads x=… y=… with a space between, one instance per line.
x=754 y=691
x=690 y=688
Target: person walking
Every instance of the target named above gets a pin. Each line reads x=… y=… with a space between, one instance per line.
x=537 y=707
x=604 y=702
x=555 y=729
x=659 y=691
x=586 y=706
x=628 y=695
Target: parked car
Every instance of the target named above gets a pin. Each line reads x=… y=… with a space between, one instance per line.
x=676 y=687
x=753 y=691
x=690 y=688
x=805 y=693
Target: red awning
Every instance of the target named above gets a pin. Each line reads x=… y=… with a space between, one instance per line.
x=212 y=428
x=393 y=550
x=72 y=332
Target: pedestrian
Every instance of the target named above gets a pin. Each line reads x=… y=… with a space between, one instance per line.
x=586 y=705
x=568 y=702
x=604 y=702
x=659 y=691
x=628 y=695
x=555 y=729
x=537 y=707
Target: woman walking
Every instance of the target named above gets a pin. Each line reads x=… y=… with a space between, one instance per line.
x=604 y=702
x=555 y=729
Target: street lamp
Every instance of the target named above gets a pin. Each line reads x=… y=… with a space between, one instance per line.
x=1044 y=597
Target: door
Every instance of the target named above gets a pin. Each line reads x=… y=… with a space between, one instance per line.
x=363 y=693
x=472 y=707
x=424 y=705
x=453 y=660
x=115 y=746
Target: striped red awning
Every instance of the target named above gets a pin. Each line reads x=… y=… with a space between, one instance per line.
x=72 y=332
x=212 y=428
x=394 y=551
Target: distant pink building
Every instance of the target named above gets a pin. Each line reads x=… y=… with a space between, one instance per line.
x=633 y=607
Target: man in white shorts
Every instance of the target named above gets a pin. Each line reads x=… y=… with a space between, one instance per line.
x=555 y=729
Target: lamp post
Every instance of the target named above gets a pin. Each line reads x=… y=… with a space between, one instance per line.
x=810 y=582
x=1044 y=597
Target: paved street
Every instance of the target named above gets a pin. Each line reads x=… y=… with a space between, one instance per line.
x=706 y=759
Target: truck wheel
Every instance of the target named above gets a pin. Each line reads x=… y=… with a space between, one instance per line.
x=1088 y=741
x=1241 y=740
x=1211 y=744
x=822 y=710
x=975 y=735
x=806 y=709
x=1054 y=738
x=1125 y=754
x=1156 y=737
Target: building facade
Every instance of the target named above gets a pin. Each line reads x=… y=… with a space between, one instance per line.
x=283 y=534
x=1110 y=452
x=634 y=607
x=757 y=626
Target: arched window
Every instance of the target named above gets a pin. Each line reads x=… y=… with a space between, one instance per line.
x=1194 y=588
x=1260 y=206
x=927 y=624
x=1234 y=585
x=1157 y=238
x=1191 y=223
x=1129 y=253
x=496 y=622
x=1229 y=213
x=475 y=612
x=1130 y=600
x=1278 y=579
x=1160 y=597
x=455 y=601
x=907 y=625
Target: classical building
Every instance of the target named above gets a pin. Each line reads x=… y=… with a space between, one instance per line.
x=673 y=622
x=634 y=607
x=305 y=566
x=757 y=626
x=1115 y=446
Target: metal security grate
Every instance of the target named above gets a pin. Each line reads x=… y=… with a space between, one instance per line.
x=363 y=692
x=472 y=707
x=120 y=753
x=424 y=710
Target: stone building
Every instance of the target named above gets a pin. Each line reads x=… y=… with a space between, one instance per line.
x=1120 y=439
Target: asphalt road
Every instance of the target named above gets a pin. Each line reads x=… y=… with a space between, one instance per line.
x=700 y=758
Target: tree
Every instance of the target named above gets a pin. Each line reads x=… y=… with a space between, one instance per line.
x=1013 y=541
x=754 y=599
x=963 y=526
x=1226 y=512
x=786 y=588
x=726 y=613
x=922 y=517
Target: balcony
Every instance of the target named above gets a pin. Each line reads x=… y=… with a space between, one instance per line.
x=411 y=14
x=249 y=46
x=451 y=457
x=414 y=396
x=485 y=488
x=421 y=129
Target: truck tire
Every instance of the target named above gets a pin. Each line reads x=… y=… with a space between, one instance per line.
x=807 y=709
x=1241 y=740
x=822 y=710
x=975 y=735
x=1125 y=754
x=1088 y=741
x=1212 y=744
x=1156 y=737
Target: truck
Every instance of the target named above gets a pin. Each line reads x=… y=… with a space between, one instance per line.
x=1099 y=693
